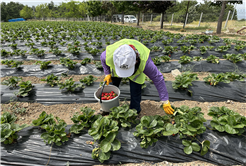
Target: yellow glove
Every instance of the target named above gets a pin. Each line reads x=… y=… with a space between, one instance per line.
x=108 y=79
x=167 y=107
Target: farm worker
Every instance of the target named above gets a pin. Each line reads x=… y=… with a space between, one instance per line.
x=129 y=58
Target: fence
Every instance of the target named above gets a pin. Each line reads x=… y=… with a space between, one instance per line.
x=169 y=19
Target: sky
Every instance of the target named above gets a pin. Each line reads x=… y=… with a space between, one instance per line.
x=241 y=9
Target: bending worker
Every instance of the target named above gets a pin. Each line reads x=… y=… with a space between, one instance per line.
x=129 y=58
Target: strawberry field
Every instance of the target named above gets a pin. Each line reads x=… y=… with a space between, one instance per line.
x=64 y=60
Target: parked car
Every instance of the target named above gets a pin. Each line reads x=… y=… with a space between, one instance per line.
x=117 y=17
x=130 y=18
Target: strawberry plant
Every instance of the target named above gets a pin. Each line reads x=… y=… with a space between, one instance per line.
x=16 y=64
x=184 y=80
x=37 y=52
x=213 y=59
x=165 y=58
x=68 y=62
x=43 y=64
x=70 y=86
x=74 y=49
x=226 y=120
x=4 y=53
x=145 y=42
x=98 y=65
x=170 y=49
x=56 y=51
x=51 y=44
x=88 y=80
x=84 y=120
x=44 y=44
x=18 y=52
x=62 y=43
x=213 y=79
x=51 y=79
x=244 y=56
x=203 y=49
x=44 y=119
x=189 y=123
x=192 y=41
x=7 y=62
x=197 y=58
x=94 y=51
x=30 y=45
x=85 y=61
x=180 y=42
x=55 y=132
x=9 y=128
x=8 y=117
x=12 y=81
x=25 y=89
x=150 y=128
x=227 y=41
x=99 y=44
x=104 y=131
x=233 y=57
x=185 y=59
x=239 y=47
x=235 y=76
x=185 y=49
x=168 y=41
x=14 y=46
x=157 y=60
x=12 y=63
x=222 y=48
x=123 y=115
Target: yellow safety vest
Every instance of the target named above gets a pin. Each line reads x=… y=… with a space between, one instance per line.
x=139 y=76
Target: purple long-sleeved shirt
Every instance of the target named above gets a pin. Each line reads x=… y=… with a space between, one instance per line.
x=151 y=71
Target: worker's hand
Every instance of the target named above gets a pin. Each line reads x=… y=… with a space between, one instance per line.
x=167 y=107
x=108 y=79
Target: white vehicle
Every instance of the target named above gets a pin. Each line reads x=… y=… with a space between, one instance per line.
x=130 y=18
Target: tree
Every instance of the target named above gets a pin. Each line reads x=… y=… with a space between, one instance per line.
x=26 y=12
x=139 y=6
x=10 y=10
x=158 y=6
x=71 y=9
x=95 y=8
x=223 y=5
x=42 y=11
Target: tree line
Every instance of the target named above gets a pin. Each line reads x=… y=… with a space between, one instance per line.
x=212 y=10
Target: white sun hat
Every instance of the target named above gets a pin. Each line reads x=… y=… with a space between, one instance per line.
x=124 y=61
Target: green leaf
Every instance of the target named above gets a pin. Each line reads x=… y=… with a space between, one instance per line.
x=188 y=149
x=230 y=130
x=104 y=156
x=105 y=146
x=153 y=123
x=191 y=128
x=220 y=128
x=186 y=143
x=204 y=150
x=239 y=126
x=195 y=147
x=116 y=145
x=167 y=133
